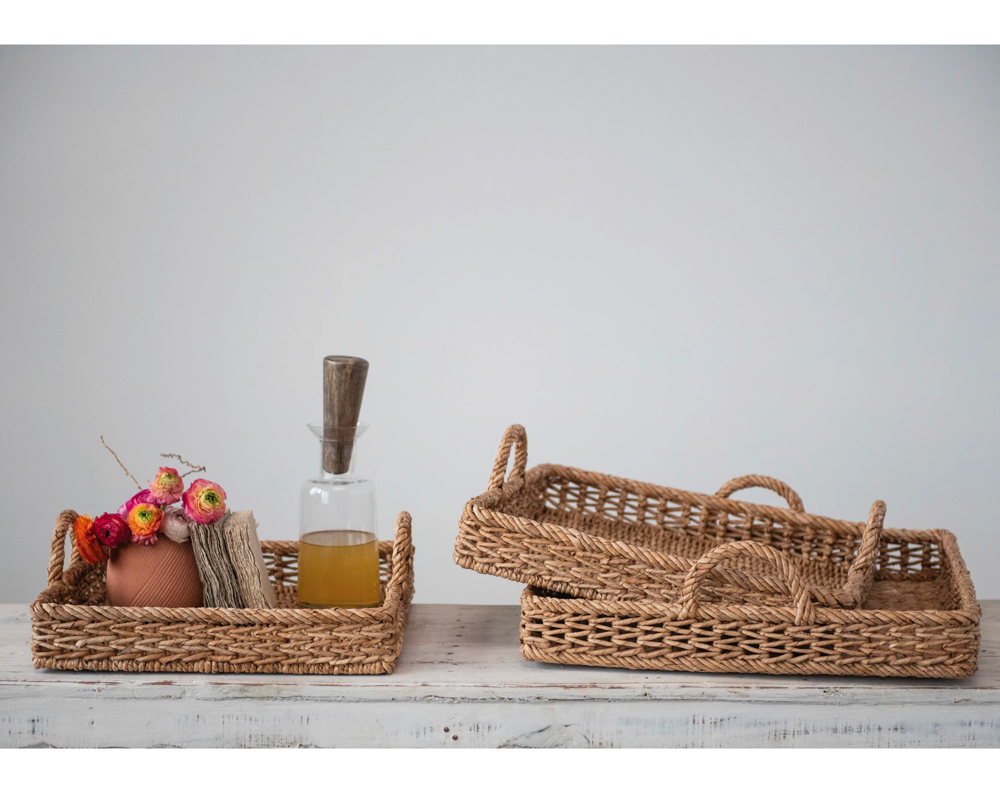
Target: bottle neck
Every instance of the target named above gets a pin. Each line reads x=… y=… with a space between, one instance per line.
x=338 y=451
x=334 y=456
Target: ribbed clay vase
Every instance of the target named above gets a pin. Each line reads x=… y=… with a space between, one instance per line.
x=164 y=574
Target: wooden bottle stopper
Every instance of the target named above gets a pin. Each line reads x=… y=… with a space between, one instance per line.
x=343 y=388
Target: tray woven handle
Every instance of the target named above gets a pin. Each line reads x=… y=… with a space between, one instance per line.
x=402 y=549
x=515 y=436
x=862 y=571
x=764 y=482
x=804 y=611
x=64 y=523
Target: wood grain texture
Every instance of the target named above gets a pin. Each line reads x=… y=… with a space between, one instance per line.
x=344 y=380
x=460 y=682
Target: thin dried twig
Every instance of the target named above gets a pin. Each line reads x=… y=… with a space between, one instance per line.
x=120 y=464
x=194 y=468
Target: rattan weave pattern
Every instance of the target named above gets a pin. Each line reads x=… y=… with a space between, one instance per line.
x=72 y=629
x=596 y=536
x=916 y=622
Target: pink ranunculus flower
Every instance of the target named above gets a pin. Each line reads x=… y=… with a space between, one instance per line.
x=143 y=496
x=175 y=525
x=204 y=502
x=167 y=487
x=111 y=530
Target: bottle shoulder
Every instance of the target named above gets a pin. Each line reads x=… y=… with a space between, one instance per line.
x=355 y=484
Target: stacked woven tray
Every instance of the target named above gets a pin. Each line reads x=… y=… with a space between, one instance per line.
x=620 y=573
x=72 y=627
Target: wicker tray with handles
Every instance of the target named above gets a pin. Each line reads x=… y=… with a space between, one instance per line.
x=920 y=619
x=71 y=628
x=595 y=536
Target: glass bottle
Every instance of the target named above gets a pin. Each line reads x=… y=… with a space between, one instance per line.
x=338 y=538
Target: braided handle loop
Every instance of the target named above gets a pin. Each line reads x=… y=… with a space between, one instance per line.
x=804 y=611
x=862 y=570
x=515 y=436
x=764 y=482
x=402 y=549
x=64 y=523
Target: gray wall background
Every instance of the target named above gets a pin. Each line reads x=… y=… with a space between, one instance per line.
x=673 y=264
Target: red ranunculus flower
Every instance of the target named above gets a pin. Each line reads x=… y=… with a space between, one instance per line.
x=111 y=530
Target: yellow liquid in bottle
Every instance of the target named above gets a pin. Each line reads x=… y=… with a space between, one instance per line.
x=338 y=569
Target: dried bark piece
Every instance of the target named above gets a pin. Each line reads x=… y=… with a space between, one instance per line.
x=218 y=577
x=243 y=546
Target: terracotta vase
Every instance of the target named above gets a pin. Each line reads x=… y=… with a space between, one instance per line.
x=164 y=574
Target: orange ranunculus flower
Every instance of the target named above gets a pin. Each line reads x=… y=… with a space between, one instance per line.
x=92 y=551
x=144 y=521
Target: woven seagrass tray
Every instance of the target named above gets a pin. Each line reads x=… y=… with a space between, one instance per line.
x=71 y=628
x=595 y=536
x=920 y=619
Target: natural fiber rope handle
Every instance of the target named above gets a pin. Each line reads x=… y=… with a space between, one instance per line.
x=862 y=571
x=515 y=436
x=764 y=482
x=804 y=611
x=64 y=524
x=401 y=546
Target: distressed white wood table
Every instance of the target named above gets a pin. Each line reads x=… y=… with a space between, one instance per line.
x=461 y=683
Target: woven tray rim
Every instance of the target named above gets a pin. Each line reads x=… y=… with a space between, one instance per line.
x=492 y=497
x=394 y=598
x=968 y=613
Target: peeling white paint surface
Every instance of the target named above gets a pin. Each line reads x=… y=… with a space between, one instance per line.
x=461 y=682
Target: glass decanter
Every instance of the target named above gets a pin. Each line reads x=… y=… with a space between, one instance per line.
x=338 y=537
